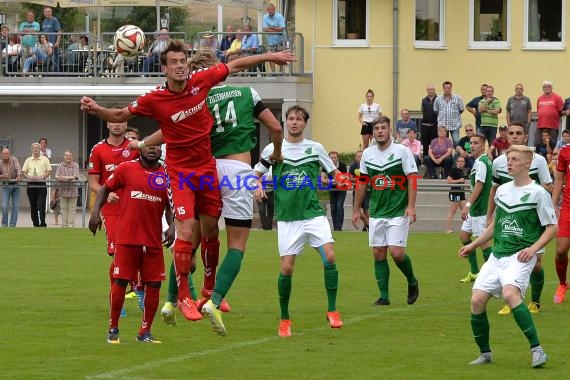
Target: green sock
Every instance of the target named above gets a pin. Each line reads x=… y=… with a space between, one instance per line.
x=172 y=285
x=525 y=323
x=382 y=273
x=472 y=258
x=191 y=286
x=536 y=285
x=486 y=253
x=480 y=328
x=284 y=291
x=227 y=273
x=331 y=285
x=405 y=267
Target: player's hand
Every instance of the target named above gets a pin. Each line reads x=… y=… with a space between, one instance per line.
x=112 y=198
x=525 y=255
x=95 y=223
x=259 y=193
x=276 y=157
x=88 y=105
x=411 y=213
x=134 y=145
x=355 y=217
x=282 y=57
x=169 y=236
x=464 y=213
x=465 y=251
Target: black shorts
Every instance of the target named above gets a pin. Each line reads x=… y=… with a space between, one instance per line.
x=456 y=197
x=366 y=129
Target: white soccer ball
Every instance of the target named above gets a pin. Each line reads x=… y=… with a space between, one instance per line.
x=129 y=40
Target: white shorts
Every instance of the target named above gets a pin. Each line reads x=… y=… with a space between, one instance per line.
x=383 y=232
x=292 y=235
x=237 y=183
x=475 y=225
x=496 y=273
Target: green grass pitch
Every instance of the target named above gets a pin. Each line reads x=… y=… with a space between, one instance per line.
x=54 y=305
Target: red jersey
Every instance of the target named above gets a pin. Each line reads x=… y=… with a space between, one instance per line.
x=104 y=159
x=563 y=165
x=184 y=118
x=549 y=109
x=141 y=204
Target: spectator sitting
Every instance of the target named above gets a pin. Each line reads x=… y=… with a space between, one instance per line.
x=564 y=141
x=226 y=42
x=40 y=54
x=208 y=42
x=439 y=154
x=463 y=149
x=235 y=49
x=500 y=144
x=546 y=147
x=249 y=42
x=414 y=145
x=74 y=58
x=158 y=46
x=404 y=124
x=457 y=174
x=11 y=55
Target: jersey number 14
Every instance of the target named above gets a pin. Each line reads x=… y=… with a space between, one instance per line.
x=230 y=118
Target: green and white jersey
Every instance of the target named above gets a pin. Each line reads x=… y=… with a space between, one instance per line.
x=297 y=179
x=387 y=170
x=482 y=171
x=522 y=214
x=538 y=170
x=233 y=109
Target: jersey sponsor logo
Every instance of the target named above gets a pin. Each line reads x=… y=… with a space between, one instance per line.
x=510 y=227
x=147 y=197
x=111 y=167
x=179 y=116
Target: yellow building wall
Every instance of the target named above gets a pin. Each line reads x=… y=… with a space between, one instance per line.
x=342 y=75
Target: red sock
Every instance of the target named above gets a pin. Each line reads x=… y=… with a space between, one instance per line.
x=117 y=299
x=151 y=300
x=210 y=253
x=182 y=260
x=561 y=268
x=111 y=273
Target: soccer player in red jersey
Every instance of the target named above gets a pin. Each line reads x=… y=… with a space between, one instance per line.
x=105 y=156
x=561 y=175
x=141 y=187
x=185 y=122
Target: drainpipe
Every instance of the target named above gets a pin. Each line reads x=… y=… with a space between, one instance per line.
x=395 y=69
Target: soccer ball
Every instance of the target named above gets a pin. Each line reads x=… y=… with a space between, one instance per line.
x=129 y=40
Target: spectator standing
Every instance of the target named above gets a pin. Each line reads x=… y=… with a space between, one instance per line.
x=354 y=170
x=366 y=113
x=156 y=48
x=499 y=144
x=490 y=108
x=132 y=133
x=37 y=169
x=52 y=29
x=4 y=38
x=29 y=29
x=439 y=154
x=473 y=107
x=457 y=175
x=414 y=146
x=449 y=107
x=404 y=125
x=337 y=196
x=274 y=23
x=428 y=128
x=44 y=150
x=549 y=108
x=519 y=107
x=463 y=149
x=10 y=172
x=66 y=172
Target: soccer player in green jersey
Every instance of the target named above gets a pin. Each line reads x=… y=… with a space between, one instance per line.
x=538 y=171
x=474 y=214
x=299 y=215
x=524 y=223
x=392 y=173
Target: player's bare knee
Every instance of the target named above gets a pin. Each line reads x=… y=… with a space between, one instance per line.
x=478 y=303
x=512 y=295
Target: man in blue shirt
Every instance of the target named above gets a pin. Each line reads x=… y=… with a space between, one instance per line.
x=274 y=23
x=52 y=29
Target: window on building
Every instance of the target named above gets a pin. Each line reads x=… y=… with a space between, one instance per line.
x=429 y=22
x=489 y=24
x=544 y=24
x=351 y=22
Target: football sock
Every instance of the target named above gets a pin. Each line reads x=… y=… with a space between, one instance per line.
x=382 y=273
x=525 y=323
x=117 y=299
x=210 y=252
x=284 y=284
x=193 y=293
x=472 y=258
x=480 y=328
x=486 y=253
x=228 y=272
x=111 y=272
x=561 y=268
x=151 y=300
x=405 y=267
x=536 y=285
x=331 y=285
x=172 y=285
x=182 y=261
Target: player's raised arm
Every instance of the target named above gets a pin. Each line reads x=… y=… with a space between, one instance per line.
x=114 y=115
x=280 y=58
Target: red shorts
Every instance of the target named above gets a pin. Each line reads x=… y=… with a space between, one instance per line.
x=110 y=222
x=195 y=190
x=564 y=225
x=131 y=259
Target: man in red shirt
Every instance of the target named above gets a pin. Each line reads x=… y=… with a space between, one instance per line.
x=179 y=105
x=140 y=188
x=549 y=108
